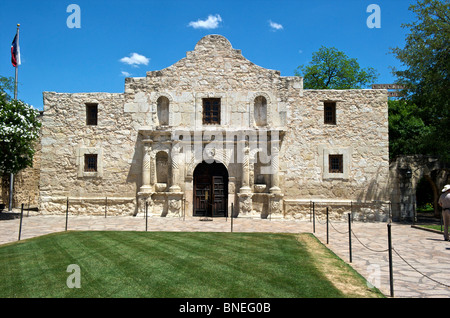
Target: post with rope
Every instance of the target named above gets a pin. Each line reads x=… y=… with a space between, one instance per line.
x=67 y=211
x=350 y=236
x=146 y=215
x=327 y=227
x=391 y=280
x=314 y=218
x=21 y=217
x=232 y=210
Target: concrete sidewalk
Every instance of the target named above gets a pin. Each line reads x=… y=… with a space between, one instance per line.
x=421 y=259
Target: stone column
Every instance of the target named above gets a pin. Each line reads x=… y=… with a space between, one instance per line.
x=245 y=193
x=175 y=160
x=275 y=186
x=245 y=188
x=146 y=187
x=276 y=197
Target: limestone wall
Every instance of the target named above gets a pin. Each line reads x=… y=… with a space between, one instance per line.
x=360 y=134
x=65 y=140
x=215 y=70
x=133 y=126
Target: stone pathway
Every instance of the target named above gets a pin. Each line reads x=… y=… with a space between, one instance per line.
x=421 y=259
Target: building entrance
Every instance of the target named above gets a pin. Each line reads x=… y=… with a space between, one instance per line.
x=211 y=190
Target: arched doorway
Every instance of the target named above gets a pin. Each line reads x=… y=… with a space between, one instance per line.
x=210 y=190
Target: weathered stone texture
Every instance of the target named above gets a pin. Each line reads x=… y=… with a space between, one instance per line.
x=360 y=132
x=65 y=133
x=142 y=162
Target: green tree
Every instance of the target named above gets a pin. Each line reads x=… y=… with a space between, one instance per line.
x=19 y=129
x=426 y=60
x=333 y=69
x=7 y=85
x=406 y=129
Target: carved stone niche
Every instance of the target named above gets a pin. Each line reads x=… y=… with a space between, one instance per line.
x=245 y=203
x=175 y=204
x=276 y=203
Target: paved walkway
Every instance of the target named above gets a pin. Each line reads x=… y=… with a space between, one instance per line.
x=421 y=259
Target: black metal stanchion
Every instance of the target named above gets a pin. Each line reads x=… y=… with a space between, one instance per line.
x=327 y=227
x=232 y=210
x=350 y=235
x=21 y=217
x=67 y=211
x=146 y=216
x=106 y=205
x=391 y=280
x=314 y=219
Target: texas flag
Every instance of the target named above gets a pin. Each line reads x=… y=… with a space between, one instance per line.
x=15 y=51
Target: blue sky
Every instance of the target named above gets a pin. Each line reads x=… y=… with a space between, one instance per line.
x=96 y=57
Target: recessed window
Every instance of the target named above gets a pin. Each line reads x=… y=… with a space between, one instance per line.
x=90 y=163
x=211 y=111
x=336 y=163
x=330 y=113
x=91 y=114
x=162 y=167
x=163 y=111
x=260 y=111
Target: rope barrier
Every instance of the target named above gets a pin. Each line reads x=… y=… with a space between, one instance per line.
x=384 y=251
x=318 y=219
x=373 y=250
x=448 y=286
x=336 y=229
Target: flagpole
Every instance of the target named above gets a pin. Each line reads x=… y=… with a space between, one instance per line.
x=11 y=178
x=17 y=67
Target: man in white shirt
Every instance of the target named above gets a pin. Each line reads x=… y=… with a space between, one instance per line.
x=444 y=202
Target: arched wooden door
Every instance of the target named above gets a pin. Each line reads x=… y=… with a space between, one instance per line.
x=210 y=190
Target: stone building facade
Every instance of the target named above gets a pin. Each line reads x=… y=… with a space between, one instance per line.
x=211 y=132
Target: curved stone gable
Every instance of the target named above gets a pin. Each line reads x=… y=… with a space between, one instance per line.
x=213 y=42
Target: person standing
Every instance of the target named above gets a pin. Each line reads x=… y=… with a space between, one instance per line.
x=444 y=202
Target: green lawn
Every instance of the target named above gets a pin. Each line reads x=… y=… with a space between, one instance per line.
x=173 y=264
x=436 y=227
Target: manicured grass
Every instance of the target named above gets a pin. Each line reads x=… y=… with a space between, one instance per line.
x=171 y=264
x=436 y=227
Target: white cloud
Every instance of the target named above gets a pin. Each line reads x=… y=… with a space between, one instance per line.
x=275 y=26
x=211 y=23
x=135 y=59
x=126 y=74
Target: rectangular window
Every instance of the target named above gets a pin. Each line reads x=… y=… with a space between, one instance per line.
x=90 y=163
x=336 y=163
x=211 y=111
x=91 y=114
x=330 y=113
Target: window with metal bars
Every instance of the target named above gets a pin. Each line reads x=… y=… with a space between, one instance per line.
x=211 y=111
x=330 y=113
x=91 y=114
x=90 y=163
x=336 y=163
